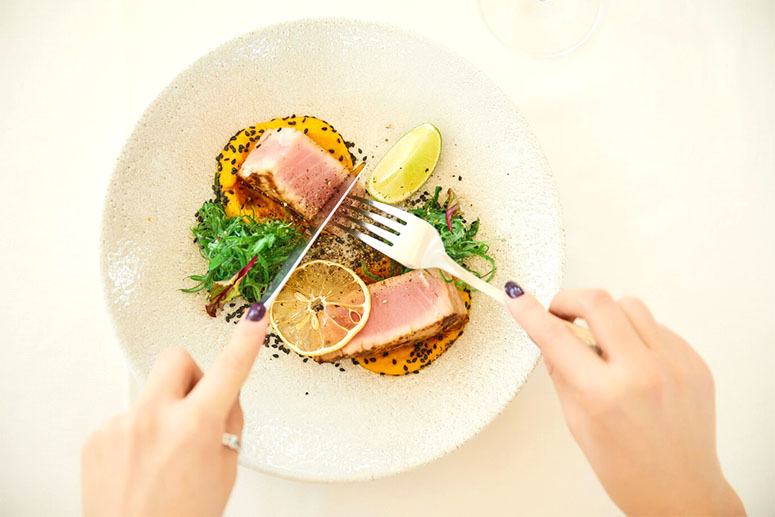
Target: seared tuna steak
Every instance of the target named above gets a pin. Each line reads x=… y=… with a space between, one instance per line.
x=290 y=167
x=407 y=309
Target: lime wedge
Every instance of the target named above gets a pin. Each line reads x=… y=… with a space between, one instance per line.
x=406 y=166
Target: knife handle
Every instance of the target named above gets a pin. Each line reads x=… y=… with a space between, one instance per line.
x=585 y=335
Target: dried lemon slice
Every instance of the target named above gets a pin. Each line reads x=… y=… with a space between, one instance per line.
x=321 y=308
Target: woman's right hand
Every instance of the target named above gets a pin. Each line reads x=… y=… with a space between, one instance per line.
x=167 y=456
x=643 y=413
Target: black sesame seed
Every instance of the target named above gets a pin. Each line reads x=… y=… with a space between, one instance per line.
x=305 y=130
x=395 y=362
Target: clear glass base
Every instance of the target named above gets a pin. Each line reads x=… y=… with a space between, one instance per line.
x=542 y=28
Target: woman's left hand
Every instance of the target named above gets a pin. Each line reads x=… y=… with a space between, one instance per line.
x=166 y=457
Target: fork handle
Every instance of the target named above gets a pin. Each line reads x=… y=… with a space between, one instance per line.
x=448 y=265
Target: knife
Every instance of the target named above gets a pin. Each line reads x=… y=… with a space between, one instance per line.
x=321 y=219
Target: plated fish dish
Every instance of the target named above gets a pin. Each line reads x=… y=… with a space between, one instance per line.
x=346 y=301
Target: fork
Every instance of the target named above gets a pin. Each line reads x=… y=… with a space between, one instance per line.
x=407 y=239
x=414 y=243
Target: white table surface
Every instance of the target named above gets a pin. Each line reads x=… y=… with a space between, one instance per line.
x=661 y=135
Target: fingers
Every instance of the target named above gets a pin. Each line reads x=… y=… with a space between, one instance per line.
x=222 y=382
x=235 y=419
x=567 y=356
x=172 y=376
x=612 y=329
x=642 y=321
x=679 y=352
x=234 y=424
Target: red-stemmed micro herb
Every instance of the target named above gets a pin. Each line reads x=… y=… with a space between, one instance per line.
x=453 y=205
x=223 y=292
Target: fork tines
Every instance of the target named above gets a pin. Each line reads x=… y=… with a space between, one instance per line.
x=370 y=227
x=397 y=213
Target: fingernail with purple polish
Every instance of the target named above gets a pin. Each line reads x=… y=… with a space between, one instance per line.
x=256 y=312
x=513 y=290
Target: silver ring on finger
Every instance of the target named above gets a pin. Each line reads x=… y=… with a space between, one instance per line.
x=232 y=441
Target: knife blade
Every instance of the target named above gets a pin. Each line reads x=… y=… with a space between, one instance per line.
x=324 y=215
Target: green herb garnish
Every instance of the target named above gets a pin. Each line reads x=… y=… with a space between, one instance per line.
x=458 y=236
x=368 y=273
x=395 y=270
x=229 y=243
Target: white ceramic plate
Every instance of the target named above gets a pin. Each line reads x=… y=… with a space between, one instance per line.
x=373 y=82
